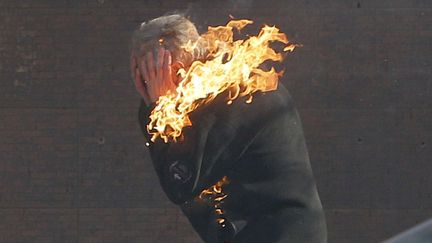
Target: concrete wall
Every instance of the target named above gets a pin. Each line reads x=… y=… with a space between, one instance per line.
x=73 y=165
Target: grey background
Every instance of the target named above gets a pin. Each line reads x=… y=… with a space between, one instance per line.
x=73 y=165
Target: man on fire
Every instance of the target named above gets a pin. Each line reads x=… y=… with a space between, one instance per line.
x=239 y=172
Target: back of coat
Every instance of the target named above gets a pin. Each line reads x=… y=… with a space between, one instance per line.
x=270 y=193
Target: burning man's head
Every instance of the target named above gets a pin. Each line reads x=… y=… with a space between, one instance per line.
x=173 y=32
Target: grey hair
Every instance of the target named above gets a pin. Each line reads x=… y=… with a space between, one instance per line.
x=173 y=32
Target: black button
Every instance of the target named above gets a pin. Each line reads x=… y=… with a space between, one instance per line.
x=179 y=171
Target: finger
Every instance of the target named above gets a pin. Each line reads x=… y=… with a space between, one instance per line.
x=143 y=69
x=168 y=70
x=139 y=84
x=150 y=67
x=150 y=84
x=160 y=64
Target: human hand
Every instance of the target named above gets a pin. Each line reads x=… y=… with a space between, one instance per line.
x=153 y=78
x=140 y=84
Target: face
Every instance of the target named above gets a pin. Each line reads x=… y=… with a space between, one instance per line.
x=177 y=62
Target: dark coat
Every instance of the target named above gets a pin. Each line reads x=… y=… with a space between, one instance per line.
x=260 y=147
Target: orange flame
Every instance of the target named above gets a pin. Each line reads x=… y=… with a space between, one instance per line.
x=231 y=65
x=215 y=189
x=215 y=196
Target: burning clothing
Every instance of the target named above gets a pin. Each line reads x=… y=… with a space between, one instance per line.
x=241 y=172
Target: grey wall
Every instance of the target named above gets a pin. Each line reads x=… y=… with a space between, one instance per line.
x=73 y=165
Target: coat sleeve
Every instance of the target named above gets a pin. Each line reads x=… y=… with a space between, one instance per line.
x=178 y=165
x=157 y=148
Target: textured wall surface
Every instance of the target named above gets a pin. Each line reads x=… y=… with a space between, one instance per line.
x=73 y=165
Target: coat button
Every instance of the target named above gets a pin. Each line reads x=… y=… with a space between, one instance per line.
x=179 y=171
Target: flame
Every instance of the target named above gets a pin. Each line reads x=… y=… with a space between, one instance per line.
x=230 y=65
x=215 y=196
x=220 y=220
x=215 y=189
